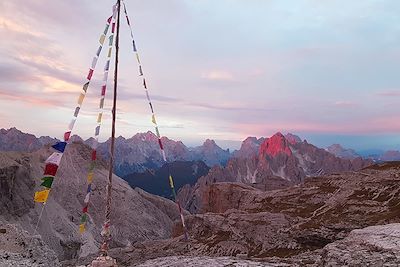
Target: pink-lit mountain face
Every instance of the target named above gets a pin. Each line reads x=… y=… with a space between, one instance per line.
x=278 y=163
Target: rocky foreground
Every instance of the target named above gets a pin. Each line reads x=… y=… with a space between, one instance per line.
x=347 y=219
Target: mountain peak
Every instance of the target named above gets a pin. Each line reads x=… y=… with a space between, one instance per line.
x=292 y=138
x=276 y=144
x=209 y=143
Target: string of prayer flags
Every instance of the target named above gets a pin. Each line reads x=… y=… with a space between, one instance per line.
x=153 y=119
x=84 y=217
x=54 y=160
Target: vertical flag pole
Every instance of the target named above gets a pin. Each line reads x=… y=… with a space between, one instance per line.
x=106 y=227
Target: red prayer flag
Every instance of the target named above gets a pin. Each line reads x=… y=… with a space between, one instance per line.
x=94 y=155
x=67 y=135
x=50 y=169
x=103 y=90
x=85 y=209
x=90 y=74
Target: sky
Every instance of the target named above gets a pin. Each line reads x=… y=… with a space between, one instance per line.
x=219 y=69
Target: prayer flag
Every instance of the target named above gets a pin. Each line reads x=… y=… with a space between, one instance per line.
x=99 y=50
x=110 y=40
x=107 y=66
x=113 y=28
x=89 y=188
x=76 y=111
x=54 y=158
x=97 y=130
x=47 y=181
x=80 y=99
x=90 y=177
x=50 y=169
x=60 y=146
x=140 y=70
x=87 y=198
x=85 y=209
x=144 y=83
x=81 y=228
x=41 y=196
x=109 y=52
x=67 y=135
x=84 y=218
x=137 y=58
x=106 y=29
x=103 y=90
x=109 y=20
x=101 y=105
x=90 y=74
x=99 y=117
x=102 y=38
x=151 y=107
x=94 y=155
x=153 y=119
x=163 y=155
x=171 y=181
x=94 y=62
x=134 y=46
x=157 y=132
x=85 y=86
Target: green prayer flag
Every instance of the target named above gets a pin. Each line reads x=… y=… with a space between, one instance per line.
x=47 y=181
x=84 y=218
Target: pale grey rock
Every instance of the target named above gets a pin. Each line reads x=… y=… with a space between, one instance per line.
x=19 y=249
x=206 y=262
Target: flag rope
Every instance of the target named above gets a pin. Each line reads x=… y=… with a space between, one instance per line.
x=154 y=121
x=90 y=176
x=54 y=160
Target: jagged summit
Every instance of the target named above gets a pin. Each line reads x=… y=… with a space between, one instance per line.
x=342 y=152
x=276 y=144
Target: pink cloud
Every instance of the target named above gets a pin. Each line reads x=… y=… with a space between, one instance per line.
x=218 y=75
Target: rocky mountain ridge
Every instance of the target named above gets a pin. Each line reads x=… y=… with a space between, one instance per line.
x=278 y=164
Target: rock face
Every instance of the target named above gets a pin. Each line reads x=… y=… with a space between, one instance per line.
x=238 y=219
x=19 y=249
x=341 y=152
x=278 y=164
x=249 y=148
x=371 y=246
x=20 y=172
x=211 y=153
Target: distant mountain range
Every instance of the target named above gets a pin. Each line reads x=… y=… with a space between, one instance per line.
x=271 y=163
x=136 y=154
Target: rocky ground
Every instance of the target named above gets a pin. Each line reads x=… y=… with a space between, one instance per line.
x=139 y=215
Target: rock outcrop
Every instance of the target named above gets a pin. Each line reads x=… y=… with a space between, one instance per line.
x=136 y=215
x=19 y=249
x=236 y=219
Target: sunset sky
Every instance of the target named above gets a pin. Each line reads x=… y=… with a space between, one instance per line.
x=328 y=70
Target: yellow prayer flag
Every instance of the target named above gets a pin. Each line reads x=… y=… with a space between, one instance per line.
x=102 y=38
x=171 y=182
x=137 y=57
x=153 y=119
x=80 y=99
x=99 y=117
x=109 y=52
x=41 y=196
x=81 y=228
x=90 y=177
